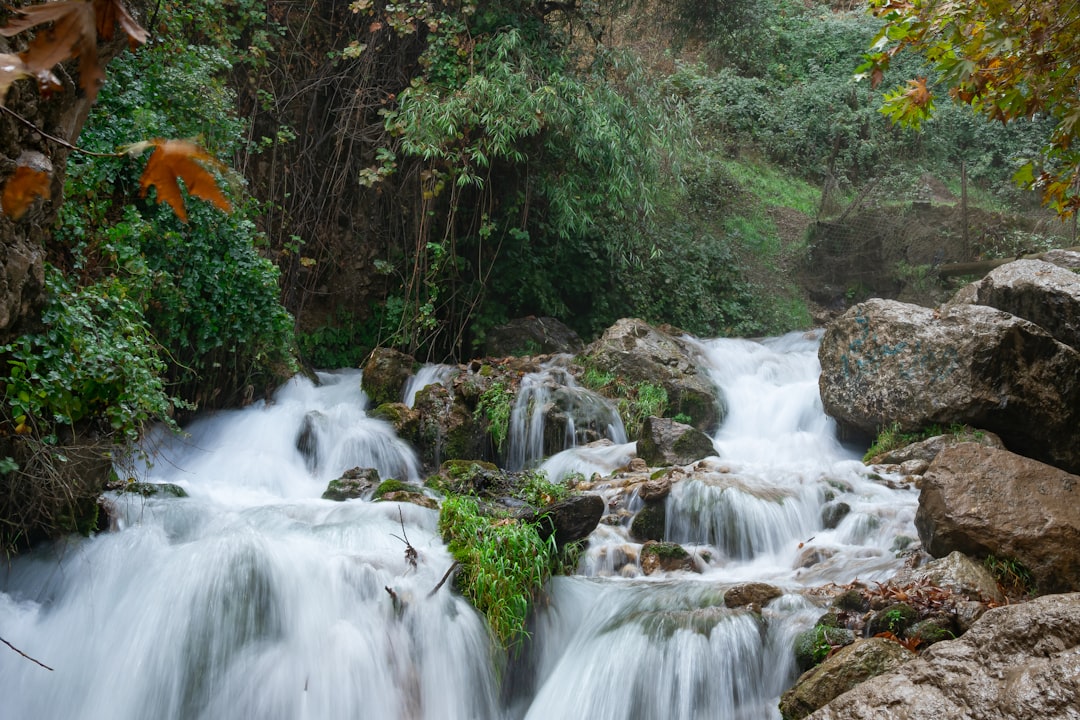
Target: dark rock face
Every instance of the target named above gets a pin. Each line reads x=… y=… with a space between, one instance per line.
x=531 y=336
x=885 y=361
x=570 y=520
x=385 y=375
x=664 y=441
x=983 y=501
x=852 y=665
x=1039 y=291
x=649 y=523
x=1018 y=662
x=638 y=352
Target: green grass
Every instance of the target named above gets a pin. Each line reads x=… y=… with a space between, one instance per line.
x=774 y=187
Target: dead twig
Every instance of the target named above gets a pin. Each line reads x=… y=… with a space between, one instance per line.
x=445 y=576
x=33 y=660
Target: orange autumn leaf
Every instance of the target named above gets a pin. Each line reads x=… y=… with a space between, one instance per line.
x=917 y=92
x=73 y=34
x=111 y=12
x=22 y=188
x=174 y=160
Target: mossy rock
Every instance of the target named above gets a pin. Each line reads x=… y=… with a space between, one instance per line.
x=385 y=375
x=352 y=484
x=151 y=489
x=404 y=419
x=851 y=601
x=410 y=496
x=895 y=618
x=932 y=630
x=391 y=485
x=666 y=556
x=649 y=523
x=814 y=645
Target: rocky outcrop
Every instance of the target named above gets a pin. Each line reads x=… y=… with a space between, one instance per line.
x=983 y=501
x=665 y=441
x=1016 y=663
x=531 y=336
x=637 y=352
x=846 y=669
x=1039 y=291
x=666 y=557
x=956 y=572
x=385 y=375
x=884 y=362
x=928 y=449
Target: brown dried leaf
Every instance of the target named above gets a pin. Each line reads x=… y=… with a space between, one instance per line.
x=22 y=188
x=72 y=35
x=111 y=12
x=12 y=68
x=174 y=160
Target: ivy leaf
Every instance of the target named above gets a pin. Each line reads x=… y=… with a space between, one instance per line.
x=174 y=160
x=26 y=185
x=73 y=34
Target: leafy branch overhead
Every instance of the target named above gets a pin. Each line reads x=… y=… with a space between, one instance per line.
x=1008 y=61
x=70 y=30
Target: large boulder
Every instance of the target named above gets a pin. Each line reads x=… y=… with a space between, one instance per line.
x=1039 y=291
x=1017 y=662
x=957 y=572
x=569 y=520
x=385 y=375
x=531 y=336
x=850 y=666
x=884 y=361
x=665 y=441
x=982 y=501
x=637 y=352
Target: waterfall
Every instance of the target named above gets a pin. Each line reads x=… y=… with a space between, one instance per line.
x=429 y=374
x=552 y=412
x=254 y=598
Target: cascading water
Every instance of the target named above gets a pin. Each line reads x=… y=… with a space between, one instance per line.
x=551 y=401
x=253 y=598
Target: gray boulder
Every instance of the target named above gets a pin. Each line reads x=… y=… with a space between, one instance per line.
x=637 y=352
x=957 y=572
x=983 y=501
x=1018 y=662
x=1039 y=291
x=884 y=361
x=664 y=441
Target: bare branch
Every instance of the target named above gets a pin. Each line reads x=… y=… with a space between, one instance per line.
x=37 y=662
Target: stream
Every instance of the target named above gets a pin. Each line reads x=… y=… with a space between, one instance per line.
x=253 y=598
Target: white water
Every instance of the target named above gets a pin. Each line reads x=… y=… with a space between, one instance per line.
x=253 y=598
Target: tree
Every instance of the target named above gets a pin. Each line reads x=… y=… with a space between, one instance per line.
x=1007 y=60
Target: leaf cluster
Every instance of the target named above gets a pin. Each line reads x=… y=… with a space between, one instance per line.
x=1008 y=61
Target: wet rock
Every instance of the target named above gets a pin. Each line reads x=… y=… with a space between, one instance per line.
x=385 y=375
x=832 y=513
x=569 y=520
x=1017 y=662
x=352 y=484
x=895 y=618
x=814 y=644
x=754 y=594
x=638 y=352
x=665 y=556
x=931 y=630
x=811 y=555
x=958 y=573
x=655 y=489
x=307 y=439
x=664 y=441
x=1039 y=291
x=405 y=420
x=851 y=601
x=148 y=489
x=446 y=428
x=982 y=501
x=531 y=336
x=926 y=450
x=410 y=496
x=843 y=671
x=884 y=361
x=649 y=522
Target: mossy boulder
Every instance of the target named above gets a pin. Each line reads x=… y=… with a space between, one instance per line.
x=352 y=484
x=665 y=556
x=895 y=618
x=149 y=489
x=665 y=441
x=814 y=644
x=405 y=420
x=385 y=375
x=649 y=523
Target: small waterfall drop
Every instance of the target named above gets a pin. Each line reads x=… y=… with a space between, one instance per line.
x=552 y=413
x=254 y=598
x=429 y=374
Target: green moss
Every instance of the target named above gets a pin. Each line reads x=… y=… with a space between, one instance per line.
x=391 y=485
x=495 y=405
x=667 y=550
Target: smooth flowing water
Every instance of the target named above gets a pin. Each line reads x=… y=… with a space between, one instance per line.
x=253 y=598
